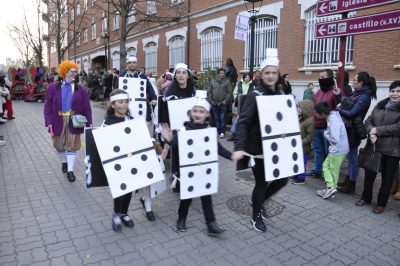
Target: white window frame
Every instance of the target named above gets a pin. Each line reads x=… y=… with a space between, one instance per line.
x=265 y=36
x=78 y=9
x=85 y=35
x=151 y=7
x=93 y=2
x=85 y=5
x=72 y=13
x=78 y=39
x=116 y=21
x=176 y=2
x=323 y=52
x=104 y=25
x=131 y=51
x=151 y=54
x=94 y=31
x=211 y=48
x=176 y=45
x=132 y=15
x=115 y=59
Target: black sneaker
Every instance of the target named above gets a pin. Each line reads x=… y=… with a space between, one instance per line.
x=298 y=181
x=127 y=221
x=150 y=216
x=116 y=223
x=214 y=229
x=258 y=223
x=64 y=167
x=314 y=175
x=263 y=212
x=71 y=176
x=181 y=224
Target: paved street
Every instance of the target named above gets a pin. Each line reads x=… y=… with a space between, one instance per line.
x=46 y=220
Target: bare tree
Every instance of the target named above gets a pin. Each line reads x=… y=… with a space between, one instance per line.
x=140 y=14
x=21 y=40
x=63 y=24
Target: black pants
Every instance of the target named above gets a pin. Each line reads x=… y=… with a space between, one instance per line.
x=121 y=204
x=389 y=167
x=206 y=203
x=264 y=190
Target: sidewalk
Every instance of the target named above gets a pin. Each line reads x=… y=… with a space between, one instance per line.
x=46 y=220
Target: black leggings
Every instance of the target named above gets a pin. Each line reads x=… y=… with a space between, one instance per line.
x=389 y=167
x=206 y=203
x=264 y=190
x=121 y=204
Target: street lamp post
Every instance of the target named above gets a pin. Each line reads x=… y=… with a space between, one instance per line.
x=106 y=38
x=253 y=12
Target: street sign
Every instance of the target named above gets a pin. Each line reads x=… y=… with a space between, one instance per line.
x=330 y=7
x=359 y=25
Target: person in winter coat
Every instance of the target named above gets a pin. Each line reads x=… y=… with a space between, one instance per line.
x=219 y=95
x=383 y=125
x=243 y=87
x=364 y=90
x=308 y=92
x=320 y=144
x=307 y=133
x=338 y=147
x=64 y=99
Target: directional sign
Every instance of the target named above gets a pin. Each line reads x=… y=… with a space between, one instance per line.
x=359 y=25
x=329 y=7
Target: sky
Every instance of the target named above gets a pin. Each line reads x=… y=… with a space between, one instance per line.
x=12 y=13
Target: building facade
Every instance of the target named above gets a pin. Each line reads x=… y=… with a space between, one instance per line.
x=204 y=37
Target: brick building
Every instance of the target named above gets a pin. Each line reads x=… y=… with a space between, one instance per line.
x=204 y=37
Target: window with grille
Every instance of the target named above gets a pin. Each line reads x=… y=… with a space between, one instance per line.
x=93 y=31
x=116 y=21
x=151 y=57
x=132 y=15
x=176 y=50
x=265 y=36
x=85 y=35
x=323 y=52
x=115 y=60
x=131 y=51
x=78 y=9
x=85 y=4
x=103 y=25
x=151 y=7
x=78 y=38
x=72 y=13
x=211 y=48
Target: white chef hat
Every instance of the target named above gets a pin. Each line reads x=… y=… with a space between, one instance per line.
x=202 y=103
x=131 y=58
x=271 y=59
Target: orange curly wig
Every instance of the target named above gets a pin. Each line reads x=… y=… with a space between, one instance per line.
x=65 y=66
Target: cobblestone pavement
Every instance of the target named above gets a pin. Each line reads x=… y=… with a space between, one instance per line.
x=46 y=220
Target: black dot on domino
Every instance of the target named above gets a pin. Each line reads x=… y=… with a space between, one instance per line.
x=275 y=159
x=116 y=148
x=123 y=186
x=206 y=139
x=208 y=186
x=207 y=152
x=133 y=171
x=125 y=87
x=143 y=157
x=190 y=155
x=208 y=171
x=268 y=129
x=274 y=146
x=141 y=89
x=142 y=82
x=142 y=95
x=295 y=168
x=279 y=116
x=140 y=112
x=128 y=130
x=150 y=175
x=117 y=167
x=276 y=173
x=190 y=142
x=125 y=81
x=191 y=174
x=155 y=192
x=190 y=188
x=295 y=156
x=294 y=142
x=140 y=105
x=289 y=103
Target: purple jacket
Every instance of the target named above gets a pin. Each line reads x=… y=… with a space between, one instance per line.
x=52 y=108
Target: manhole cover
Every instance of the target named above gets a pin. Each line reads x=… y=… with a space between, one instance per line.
x=240 y=204
x=245 y=175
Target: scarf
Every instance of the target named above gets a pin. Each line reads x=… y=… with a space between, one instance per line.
x=66 y=96
x=390 y=105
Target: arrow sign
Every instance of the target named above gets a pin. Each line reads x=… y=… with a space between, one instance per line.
x=359 y=25
x=330 y=7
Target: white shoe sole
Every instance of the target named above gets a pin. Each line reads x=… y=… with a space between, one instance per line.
x=254 y=226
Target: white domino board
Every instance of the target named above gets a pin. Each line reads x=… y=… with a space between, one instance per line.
x=136 y=88
x=179 y=111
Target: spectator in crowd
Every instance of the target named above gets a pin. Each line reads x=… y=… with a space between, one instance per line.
x=384 y=131
x=107 y=81
x=287 y=87
x=7 y=101
x=152 y=80
x=308 y=92
x=347 y=88
x=231 y=71
x=115 y=78
x=219 y=95
x=256 y=78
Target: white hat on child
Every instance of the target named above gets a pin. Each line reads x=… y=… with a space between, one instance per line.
x=202 y=103
x=271 y=59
